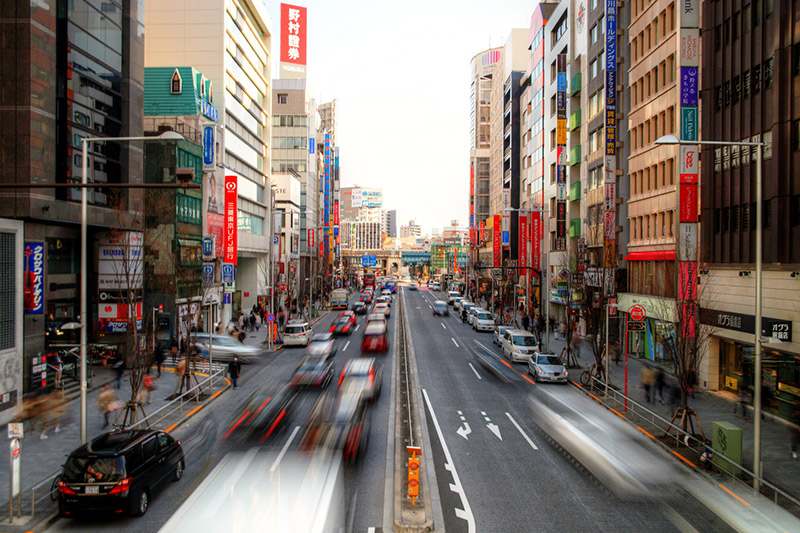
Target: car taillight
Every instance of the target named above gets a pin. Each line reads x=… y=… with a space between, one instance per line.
x=122 y=486
x=63 y=488
x=341 y=378
x=331 y=329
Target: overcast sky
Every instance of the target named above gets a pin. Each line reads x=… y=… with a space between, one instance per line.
x=400 y=74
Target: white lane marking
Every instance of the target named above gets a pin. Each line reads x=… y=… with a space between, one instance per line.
x=283 y=451
x=464 y=431
x=527 y=438
x=454 y=342
x=418 y=307
x=346 y=345
x=429 y=305
x=442 y=323
x=476 y=372
x=358 y=326
x=466 y=513
x=370 y=530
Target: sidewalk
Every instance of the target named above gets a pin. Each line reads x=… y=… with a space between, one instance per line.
x=43 y=457
x=779 y=468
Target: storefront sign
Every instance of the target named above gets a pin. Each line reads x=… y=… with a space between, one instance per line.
x=689 y=84
x=687 y=284
x=687 y=241
x=496 y=242
x=39 y=372
x=770 y=327
x=688 y=316
x=690 y=47
x=34 y=278
x=209 y=248
x=689 y=122
x=536 y=241
x=689 y=162
x=230 y=251
x=688 y=202
x=523 y=236
x=209 y=161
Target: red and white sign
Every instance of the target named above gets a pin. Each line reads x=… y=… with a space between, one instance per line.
x=536 y=245
x=118 y=311
x=688 y=202
x=320 y=250
x=293 y=34
x=689 y=163
x=497 y=242
x=612 y=309
x=523 y=241
x=231 y=227
x=687 y=280
x=637 y=313
x=482 y=235
x=688 y=315
x=336 y=213
x=310 y=238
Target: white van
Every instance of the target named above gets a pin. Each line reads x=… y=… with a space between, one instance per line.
x=519 y=345
x=297 y=333
x=451 y=296
x=482 y=320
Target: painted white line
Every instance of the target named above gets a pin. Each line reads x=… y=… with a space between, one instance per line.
x=283 y=451
x=346 y=345
x=527 y=438
x=476 y=372
x=358 y=326
x=370 y=530
x=454 y=342
x=418 y=307
x=442 y=323
x=466 y=512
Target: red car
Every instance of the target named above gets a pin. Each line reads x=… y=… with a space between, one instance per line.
x=342 y=326
x=349 y=314
x=374 y=339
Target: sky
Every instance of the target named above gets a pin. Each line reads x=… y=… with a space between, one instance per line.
x=400 y=73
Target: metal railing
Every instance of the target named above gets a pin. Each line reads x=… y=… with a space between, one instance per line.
x=665 y=433
x=50 y=483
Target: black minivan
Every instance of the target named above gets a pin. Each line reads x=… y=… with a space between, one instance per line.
x=119 y=471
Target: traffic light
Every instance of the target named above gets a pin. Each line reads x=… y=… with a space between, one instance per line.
x=413 y=471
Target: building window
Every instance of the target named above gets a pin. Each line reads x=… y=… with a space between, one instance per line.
x=745 y=217
x=756 y=79
x=593 y=69
x=176 y=84
x=725 y=218
x=746 y=84
x=594 y=33
x=770 y=7
x=756 y=12
x=282 y=98
x=726 y=93
x=768 y=64
x=794 y=212
x=767 y=214
x=796 y=135
x=735 y=218
x=745 y=19
x=737 y=25
x=8 y=291
x=736 y=89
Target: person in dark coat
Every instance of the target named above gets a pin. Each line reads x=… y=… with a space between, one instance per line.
x=526 y=322
x=234 y=369
x=661 y=380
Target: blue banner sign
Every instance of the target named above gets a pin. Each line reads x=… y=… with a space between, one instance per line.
x=228 y=273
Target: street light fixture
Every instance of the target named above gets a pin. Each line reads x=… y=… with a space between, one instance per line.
x=167 y=136
x=759 y=146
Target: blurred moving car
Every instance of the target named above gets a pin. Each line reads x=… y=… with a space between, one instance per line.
x=365 y=374
x=440 y=308
x=547 y=367
x=225 y=347
x=339 y=422
x=387 y=294
x=382 y=307
x=497 y=337
x=384 y=300
x=375 y=339
x=321 y=344
x=413 y=286
x=314 y=371
x=297 y=333
x=262 y=412
x=360 y=308
x=350 y=315
x=482 y=320
x=119 y=471
x=519 y=345
x=342 y=326
x=366 y=296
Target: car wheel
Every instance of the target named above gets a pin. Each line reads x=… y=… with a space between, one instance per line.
x=178 y=471
x=142 y=503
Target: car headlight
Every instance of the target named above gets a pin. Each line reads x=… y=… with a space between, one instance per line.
x=539 y=370
x=566 y=373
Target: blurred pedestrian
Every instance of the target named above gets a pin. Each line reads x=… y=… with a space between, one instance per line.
x=173 y=350
x=673 y=397
x=691 y=378
x=646 y=377
x=281 y=318
x=59 y=367
x=258 y=321
x=252 y=321
x=241 y=321
x=526 y=321
x=159 y=355
x=234 y=368
x=146 y=392
x=119 y=368
x=660 y=381
x=742 y=403
x=107 y=402
x=576 y=343
x=562 y=331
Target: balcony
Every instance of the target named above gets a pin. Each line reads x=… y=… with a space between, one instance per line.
x=575 y=227
x=575 y=84
x=575 y=191
x=575 y=155
x=575 y=120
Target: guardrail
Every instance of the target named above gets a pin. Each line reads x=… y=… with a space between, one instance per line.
x=666 y=433
x=176 y=404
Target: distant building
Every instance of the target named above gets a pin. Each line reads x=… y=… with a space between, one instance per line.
x=389 y=222
x=360 y=235
x=411 y=230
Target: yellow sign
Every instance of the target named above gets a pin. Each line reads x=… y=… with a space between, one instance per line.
x=731 y=383
x=561 y=132
x=788 y=388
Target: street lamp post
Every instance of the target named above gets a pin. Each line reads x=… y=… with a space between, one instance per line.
x=166 y=136
x=759 y=146
x=608 y=355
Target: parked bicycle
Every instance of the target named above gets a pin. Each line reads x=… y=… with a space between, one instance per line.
x=593 y=371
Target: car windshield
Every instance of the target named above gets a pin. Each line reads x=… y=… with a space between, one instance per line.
x=524 y=340
x=548 y=360
x=319 y=347
x=294 y=329
x=439 y=305
x=342 y=321
x=484 y=316
x=311 y=363
x=94 y=469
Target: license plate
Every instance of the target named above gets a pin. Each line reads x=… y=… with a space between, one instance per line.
x=92 y=490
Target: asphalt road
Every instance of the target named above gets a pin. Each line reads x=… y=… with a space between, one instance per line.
x=203 y=445
x=503 y=473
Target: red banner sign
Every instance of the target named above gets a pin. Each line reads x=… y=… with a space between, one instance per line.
x=687 y=285
x=293 y=34
x=688 y=319
x=310 y=238
x=231 y=222
x=482 y=236
x=523 y=241
x=536 y=242
x=497 y=243
x=688 y=202
x=320 y=250
x=336 y=213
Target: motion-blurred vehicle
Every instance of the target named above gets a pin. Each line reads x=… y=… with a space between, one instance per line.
x=321 y=344
x=482 y=320
x=497 y=336
x=547 y=367
x=314 y=371
x=297 y=333
x=519 y=345
x=342 y=326
x=364 y=374
x=457 y=303
x=374 y=339
x=440 y=308
x=390 y=285
x=261 y=413
x=434 y=285
x=366 y=296
x=386 y=293
x=263 y=490
x=382 y=307
x=360 y=308
x=225 y=347
x=339 y=422
x=119 y=471
x=368 y=282
x=451 y=297
x=376 y=317
x=350 y=315
x=339 y=299
x=413 y=286
x=384 y=300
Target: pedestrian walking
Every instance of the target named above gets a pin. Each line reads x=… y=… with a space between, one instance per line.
x=660 y=381
x=252 y=321
x=562 y=330
x=146 y=393
x=119 y=368
x=673 y=397
x=159 y=356
x=258 y=321
x=576 y=343
x=526 y=322
x=241 y=321
x=742 y=404
x=173 y=350
x=107 y=402
x=281 y=318
x=234 y=368
x=59 y=367
x=646 y=377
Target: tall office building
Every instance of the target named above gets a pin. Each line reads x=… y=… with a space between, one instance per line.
x=329 y=191
x=67 y=74
x=389 y=222
x=410 y=230
x=236 y=57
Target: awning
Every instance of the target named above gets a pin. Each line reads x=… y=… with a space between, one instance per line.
x=655 y=255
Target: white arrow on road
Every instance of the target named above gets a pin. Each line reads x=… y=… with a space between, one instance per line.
x=464 y=431
x=492 y=427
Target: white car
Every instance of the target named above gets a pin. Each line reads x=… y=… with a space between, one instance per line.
x=297 y=333
x=386 y=293
x=497 y=336
x=471 y=314
x=482 y=320
x=382 y=307
x=547 y=367
x=519 y=345
x=451 y=297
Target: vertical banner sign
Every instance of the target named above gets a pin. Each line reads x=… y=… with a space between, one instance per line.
x=310 y=238
x=34 y=278
x=209 y=161
x=610 y=152
x=536 y=241
x=472 y=204
x=293 y=42
x=326 y=217
x=336 y=213
x=482 y=236
x=688 y=177
x=497 y=245
x=522 y=235
x=561 y=147
x=231 y=223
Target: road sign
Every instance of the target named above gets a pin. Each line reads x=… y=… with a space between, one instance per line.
x=228 y=273
x=270 y=318
x=637 y=313
x=15 y=430
x=497 y=272
x=282 y=287
x=208 y=273
x=226 y=298
x=635 y=326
